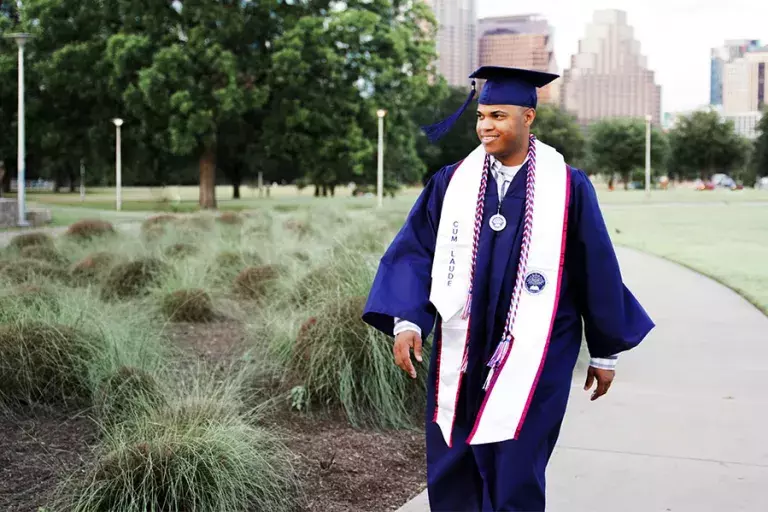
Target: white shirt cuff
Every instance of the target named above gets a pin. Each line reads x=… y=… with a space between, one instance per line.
x=405 y=325
x=604 y=363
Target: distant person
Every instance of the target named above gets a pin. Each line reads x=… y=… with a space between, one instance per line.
x=504 y=254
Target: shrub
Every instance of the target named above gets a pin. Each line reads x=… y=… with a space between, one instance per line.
x=90 y=228
x=132 y=279
x=255 y=282
x=189 y=306
x=92 y=268
x=44 y=362
x=191 y=453
x=19 y=242
x=23 y=270
x=44 y=253
x=342 y=363
x=123 y=391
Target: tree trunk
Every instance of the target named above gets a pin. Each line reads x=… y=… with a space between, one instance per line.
x=2 y=177
x=333 y=190
x=6 y=182
x=325 y=190
x=72 y=184
x=625 y=178
x=208 y=178
x=237 y=181
x=317 y=190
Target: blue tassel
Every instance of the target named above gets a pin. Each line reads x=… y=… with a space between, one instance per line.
x=436 y=131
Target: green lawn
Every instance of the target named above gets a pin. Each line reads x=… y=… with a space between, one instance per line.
x=728 y=242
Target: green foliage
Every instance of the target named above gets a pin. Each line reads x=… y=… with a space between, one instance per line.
x=618 y=146
x=760 y=155
x=702 y=144
x=332 y=73
x=557 y=128
x=441 y=102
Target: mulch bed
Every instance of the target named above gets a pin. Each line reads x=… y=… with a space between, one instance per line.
x=39 y=448
x=350 y=470
x=343 y=469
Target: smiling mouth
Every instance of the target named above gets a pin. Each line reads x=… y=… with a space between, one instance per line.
x=487 y=139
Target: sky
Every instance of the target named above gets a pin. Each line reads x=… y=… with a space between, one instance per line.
x=675 y=35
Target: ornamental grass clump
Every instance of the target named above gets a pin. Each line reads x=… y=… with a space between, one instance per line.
x=180 y=250
x=124 y=390
x=344 y=364
x=44 y=362
x=92 y=269
x=44 y=253
x=134 y=278
x=89 y=229
x=256 y=282
x=193 y=305
x=198 y=450
x=30 y=270
x=19 y=242
x=30 y=299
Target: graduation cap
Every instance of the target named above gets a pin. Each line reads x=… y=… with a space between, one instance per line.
x=503 y=86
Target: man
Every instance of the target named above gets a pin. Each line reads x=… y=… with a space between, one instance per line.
x=507 y=256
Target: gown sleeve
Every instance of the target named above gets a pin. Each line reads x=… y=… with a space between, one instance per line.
x=614 y=320
x=403 y=280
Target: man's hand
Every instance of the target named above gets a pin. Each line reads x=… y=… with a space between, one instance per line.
x=404 y=342
x=604 y=379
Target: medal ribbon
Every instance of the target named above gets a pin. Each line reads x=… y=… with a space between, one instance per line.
x=506 y=339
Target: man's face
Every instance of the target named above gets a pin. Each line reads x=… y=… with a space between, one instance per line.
x=503 y=129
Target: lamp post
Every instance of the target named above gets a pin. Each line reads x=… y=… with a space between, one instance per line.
x=381 y=113
x=21 y=40
x=118 y=164
x=648 y=119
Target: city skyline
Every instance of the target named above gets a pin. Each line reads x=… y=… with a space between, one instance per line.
x=677 y=45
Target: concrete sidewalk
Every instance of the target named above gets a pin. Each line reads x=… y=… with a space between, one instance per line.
x=685 y=425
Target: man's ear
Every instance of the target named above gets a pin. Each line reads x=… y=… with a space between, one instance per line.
x=529 y=115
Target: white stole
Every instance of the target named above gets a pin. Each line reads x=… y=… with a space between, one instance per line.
x=511 y=390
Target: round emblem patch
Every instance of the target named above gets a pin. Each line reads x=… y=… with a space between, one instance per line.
x=535 y=282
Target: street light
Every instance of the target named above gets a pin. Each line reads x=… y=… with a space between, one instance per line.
x=118 y=164
x=21 y=40
x=381 y=113
x=648 y=119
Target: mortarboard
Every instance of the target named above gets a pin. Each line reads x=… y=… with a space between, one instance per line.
x=503 y=86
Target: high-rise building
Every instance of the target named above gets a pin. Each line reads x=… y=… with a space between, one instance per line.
x=719 y=57
x=609 y=77
x=744 y=82
x=456 y=39
x=520 y=42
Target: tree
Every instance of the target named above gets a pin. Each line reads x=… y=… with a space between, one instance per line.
x=455 y=145
x=331 y=73
x=760 y=154
x=558 y=128
x=703 y=144
x=618 y=146
x=192 y=76
x=9 y=20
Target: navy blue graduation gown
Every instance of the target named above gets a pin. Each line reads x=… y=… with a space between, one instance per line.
x=594 y=300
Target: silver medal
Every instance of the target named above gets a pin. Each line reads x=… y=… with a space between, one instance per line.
x=498 y=222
